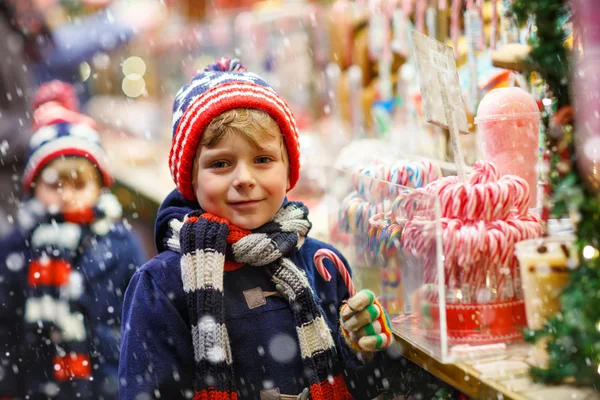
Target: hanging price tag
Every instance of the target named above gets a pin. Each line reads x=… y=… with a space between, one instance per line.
x=440 y=89
x=439 y=78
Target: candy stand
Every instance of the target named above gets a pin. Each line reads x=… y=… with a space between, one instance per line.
x=481 y=268
x=441 y=156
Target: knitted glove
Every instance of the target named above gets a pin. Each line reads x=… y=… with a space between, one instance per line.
x=364 y=322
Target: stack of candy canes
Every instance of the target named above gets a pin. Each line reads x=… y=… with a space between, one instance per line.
x=481 y=221
x=375 y=203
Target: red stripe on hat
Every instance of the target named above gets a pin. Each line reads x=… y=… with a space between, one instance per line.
x=68 y=151
x=218 y=93
x=227 y=90
x=226 y=97
x=49 y=272
x=72 y=366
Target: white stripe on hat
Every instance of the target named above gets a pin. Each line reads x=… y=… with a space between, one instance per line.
x=43 y=134
x=207 y=100
x=63 y=143
x=215 y=78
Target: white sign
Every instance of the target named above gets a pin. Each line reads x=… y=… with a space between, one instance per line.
x=437 y=70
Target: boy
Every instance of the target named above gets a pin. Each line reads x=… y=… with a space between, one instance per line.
x=66 y=265
x=232 y=308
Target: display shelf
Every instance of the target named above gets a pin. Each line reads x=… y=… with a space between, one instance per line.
x=499 y=376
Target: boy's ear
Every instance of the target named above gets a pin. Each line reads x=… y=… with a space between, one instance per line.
x=288 y=184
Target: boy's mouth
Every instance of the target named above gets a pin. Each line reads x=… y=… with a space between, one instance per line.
x=245 y=203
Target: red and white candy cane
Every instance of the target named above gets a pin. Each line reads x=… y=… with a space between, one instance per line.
x=321 y=255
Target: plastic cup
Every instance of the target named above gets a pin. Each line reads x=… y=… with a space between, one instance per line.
x=508 y=125
x=545 y=265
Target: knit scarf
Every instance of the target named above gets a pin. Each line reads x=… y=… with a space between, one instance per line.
x=210 y=245
x=55 y=326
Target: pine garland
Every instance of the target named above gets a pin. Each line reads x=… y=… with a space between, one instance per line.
x=573 y=335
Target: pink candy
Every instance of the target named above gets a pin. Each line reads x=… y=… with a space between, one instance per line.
x=481 y=221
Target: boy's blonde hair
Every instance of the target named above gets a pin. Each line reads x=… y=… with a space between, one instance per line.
x=254 y=125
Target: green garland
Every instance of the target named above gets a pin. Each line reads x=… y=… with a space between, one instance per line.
x=573 y=335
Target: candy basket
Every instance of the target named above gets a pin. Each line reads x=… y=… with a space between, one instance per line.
x=393 y=237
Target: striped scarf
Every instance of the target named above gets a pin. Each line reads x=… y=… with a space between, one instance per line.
x=54 y=318
x=209 y=246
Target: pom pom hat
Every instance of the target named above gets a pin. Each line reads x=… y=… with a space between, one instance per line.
x=61 y=131
x=223 y=86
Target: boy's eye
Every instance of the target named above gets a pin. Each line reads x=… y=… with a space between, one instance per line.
x=263 y=160
x=79 y=184
x=219 y=164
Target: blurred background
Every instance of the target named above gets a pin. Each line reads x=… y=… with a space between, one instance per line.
x=344 y=67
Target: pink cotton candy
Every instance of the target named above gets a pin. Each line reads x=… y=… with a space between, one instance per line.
x=508 y=121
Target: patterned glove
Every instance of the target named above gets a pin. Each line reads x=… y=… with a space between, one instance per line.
x=365 y=324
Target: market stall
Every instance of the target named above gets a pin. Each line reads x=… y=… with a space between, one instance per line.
x=440 y=154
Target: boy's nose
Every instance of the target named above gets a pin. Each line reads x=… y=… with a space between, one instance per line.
x=68 y=194
x=244 y=176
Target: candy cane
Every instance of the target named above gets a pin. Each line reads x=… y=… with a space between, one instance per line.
x=321 y=255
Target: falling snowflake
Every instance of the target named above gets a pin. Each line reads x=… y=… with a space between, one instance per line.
x=15 y=262
x=283 y=348
x=216 y=354
x=268 y=384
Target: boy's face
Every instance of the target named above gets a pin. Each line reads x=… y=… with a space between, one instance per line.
x=68 y=184
x=241 y=182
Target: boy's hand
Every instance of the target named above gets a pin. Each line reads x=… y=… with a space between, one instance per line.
x=365 y=324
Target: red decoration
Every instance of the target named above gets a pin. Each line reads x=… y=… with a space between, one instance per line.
x=488 y=323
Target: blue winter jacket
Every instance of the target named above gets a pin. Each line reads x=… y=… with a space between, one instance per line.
x=157 y=355
x=107 y=265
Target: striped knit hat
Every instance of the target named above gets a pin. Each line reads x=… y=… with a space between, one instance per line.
x=61 y=131
x=223 y=86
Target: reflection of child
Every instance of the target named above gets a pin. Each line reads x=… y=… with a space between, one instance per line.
x=232 y=307
x=65 y=266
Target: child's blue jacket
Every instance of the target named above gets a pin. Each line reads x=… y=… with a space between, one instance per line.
x=157 y=355
x=106 y=266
